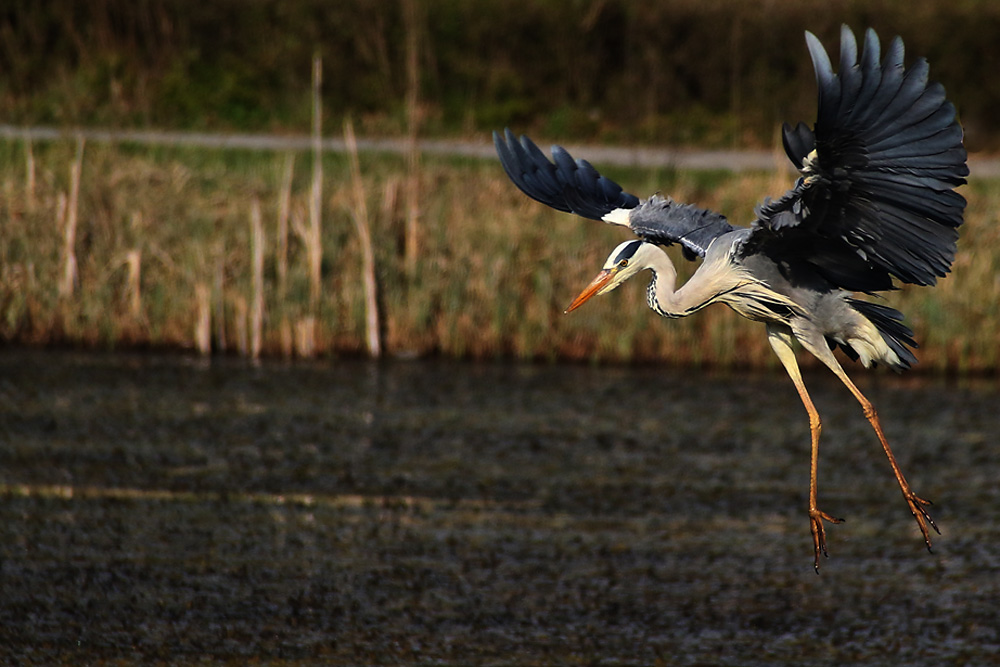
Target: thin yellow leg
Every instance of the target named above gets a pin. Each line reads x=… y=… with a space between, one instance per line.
x=781 y=342
x=917 y=505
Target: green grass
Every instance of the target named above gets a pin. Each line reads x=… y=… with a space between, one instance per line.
x=495 y=270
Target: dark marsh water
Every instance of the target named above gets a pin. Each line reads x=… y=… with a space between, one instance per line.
x=165 y=509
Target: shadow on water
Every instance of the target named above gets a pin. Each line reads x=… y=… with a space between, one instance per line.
x=163 y=508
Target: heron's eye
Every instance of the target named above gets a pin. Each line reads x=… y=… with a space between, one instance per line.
x=622 y=264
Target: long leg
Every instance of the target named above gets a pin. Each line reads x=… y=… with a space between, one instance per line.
x=918 y=506
x=781 y=340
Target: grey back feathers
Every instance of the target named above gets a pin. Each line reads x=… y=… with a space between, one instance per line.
x=664 y=222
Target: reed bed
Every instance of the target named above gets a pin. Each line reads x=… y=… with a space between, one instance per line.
x=210 y=250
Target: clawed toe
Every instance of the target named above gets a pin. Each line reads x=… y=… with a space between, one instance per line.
x=918 y=507
x=816 y=519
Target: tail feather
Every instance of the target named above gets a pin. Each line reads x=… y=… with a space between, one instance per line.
x=889 y=323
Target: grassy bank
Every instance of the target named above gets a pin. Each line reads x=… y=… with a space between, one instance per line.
x=165 y=256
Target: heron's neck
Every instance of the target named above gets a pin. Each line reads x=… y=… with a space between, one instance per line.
x=700 y=290
x=661 y=293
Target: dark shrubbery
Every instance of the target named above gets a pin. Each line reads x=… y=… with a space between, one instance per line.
x=690 y=71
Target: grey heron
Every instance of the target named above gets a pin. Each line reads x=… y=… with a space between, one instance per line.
x=875 y=202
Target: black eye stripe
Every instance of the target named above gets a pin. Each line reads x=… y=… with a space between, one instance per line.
x=628 y=251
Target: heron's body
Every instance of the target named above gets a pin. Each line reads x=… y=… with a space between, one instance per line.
x=803 y=304
x=875 y=202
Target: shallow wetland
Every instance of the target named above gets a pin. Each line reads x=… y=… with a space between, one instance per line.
x=166 y=508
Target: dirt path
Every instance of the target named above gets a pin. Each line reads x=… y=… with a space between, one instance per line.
x=733 y=160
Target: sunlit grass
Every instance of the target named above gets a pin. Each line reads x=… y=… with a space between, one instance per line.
x=495 y=270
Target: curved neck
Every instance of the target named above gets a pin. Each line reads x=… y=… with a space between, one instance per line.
x=703 y=288
x=661 y=293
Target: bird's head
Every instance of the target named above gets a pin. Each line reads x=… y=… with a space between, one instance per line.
x=625 y=261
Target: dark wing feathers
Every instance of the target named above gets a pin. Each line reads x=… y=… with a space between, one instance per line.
x=569 y=185
x=888 y=155
x=798 y=141
x=876 y=198
x=871 y=78
x=575 y=186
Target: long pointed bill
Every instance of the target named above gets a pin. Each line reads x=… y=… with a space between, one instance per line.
x=595 y=286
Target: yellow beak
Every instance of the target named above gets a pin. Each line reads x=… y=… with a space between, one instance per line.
x=595 y=286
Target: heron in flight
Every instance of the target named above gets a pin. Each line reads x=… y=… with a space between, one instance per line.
x=875 y=202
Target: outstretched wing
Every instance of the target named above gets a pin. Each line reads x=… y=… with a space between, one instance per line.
x=575 y=186
x=878 y=172
x=569 y=185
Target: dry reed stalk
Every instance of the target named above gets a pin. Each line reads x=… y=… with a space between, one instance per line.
x=242 y=339
x=61 y=203
x=203 y=320
x=133 y=260
x=314 y=248
x=220 y=300
x=284 y=208
x=412 y=20
x=257 y=308
x=287 y=340
x=389 y=198
x=29 y=176
x=305 y=337
x=359 y=213
x=69 y=274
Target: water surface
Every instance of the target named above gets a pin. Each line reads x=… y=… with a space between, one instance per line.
x=166 y=508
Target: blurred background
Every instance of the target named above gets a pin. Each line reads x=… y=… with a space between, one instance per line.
x=415 y=244
x=707 y=73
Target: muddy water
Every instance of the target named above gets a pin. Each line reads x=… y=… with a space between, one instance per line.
x=158 y=508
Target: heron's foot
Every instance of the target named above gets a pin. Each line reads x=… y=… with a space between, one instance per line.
x=918 y=507
x=816 y=519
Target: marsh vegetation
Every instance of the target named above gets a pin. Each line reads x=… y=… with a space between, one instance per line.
x=121 y=246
